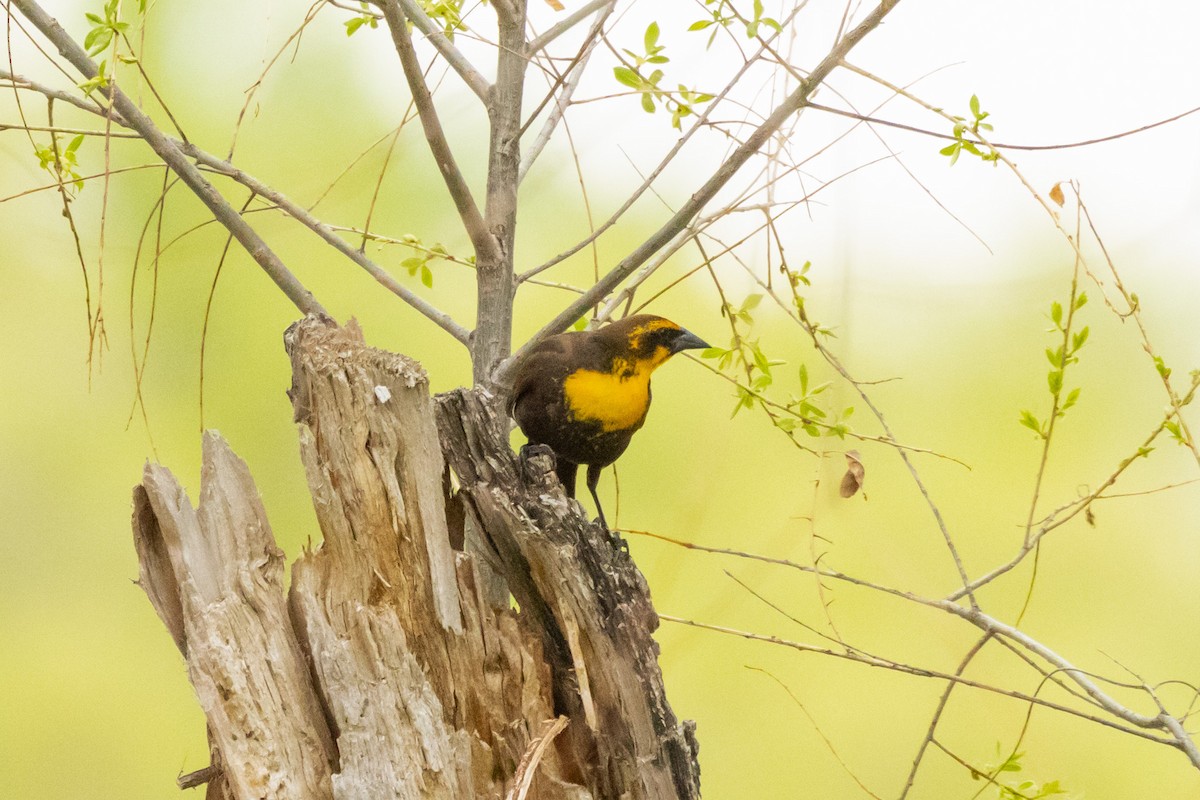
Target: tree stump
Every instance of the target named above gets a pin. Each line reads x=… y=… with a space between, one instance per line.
x=395 y=665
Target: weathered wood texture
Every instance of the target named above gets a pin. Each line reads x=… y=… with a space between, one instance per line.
x=388 y=669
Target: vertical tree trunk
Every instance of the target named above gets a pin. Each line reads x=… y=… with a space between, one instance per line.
x=387 y=671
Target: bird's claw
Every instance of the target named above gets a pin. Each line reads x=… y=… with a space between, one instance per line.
x=618 y=542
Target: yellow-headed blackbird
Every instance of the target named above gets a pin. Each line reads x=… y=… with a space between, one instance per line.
x=584 y=394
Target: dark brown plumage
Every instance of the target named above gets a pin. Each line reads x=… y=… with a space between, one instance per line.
x=584 y=394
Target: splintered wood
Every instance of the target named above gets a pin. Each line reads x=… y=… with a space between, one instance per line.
x=393 y=666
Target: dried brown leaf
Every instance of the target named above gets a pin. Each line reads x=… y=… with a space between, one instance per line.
x=1056 y=194
x=852 y=481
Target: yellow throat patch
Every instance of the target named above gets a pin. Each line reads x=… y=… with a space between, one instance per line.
x=618 y=399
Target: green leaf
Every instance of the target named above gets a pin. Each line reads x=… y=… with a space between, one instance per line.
x=1078 y=340
x=700 y=25
x=582 y=322
x=648 y=103
x=804 y=379
x=1081 y=301
x=628 y=77
x=651 y=37
x=975 y=106
x=1031 y=422
x=1056 y=313
x=1055 y=380
x=760 y=361
x=427 y=276
x=1072 y=398
x=97 y=39
x=353 y=25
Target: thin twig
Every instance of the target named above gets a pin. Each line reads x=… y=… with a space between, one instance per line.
x=456 y=184
x=437 y=37
x=170 y=153
x=573 y=19
x=920 y=672
x=937 y=713
x=301 y=215
x=563 y=99
x=654 y=174
x=681 y=219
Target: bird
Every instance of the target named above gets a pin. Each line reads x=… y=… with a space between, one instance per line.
x=584 y=394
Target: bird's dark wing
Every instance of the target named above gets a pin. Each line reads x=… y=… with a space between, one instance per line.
x=534 y=368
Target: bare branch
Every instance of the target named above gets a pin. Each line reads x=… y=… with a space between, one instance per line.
x=937 y=713
x=1069 y=511
x=21 y=82
x=563 y=100
x=922 y=672
x=649 y=180
x=170 y=153
x=69 y=131
x=492 y=340
x=292 y=209
x=436 y=37
x=559 y=28
x=990 y=624
x=705 y=193
x=327 y=232
x=468 y=211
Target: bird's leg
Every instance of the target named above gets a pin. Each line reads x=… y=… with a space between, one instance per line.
x=593 y=479
x=566 y=475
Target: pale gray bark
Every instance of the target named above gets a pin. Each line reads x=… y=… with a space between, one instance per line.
x=388 y=671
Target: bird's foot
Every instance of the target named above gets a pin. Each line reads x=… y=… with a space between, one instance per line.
x=618 y=542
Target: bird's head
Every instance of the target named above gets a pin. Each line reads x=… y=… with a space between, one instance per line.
x=649 y=340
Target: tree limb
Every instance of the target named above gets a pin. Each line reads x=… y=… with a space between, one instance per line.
x=289 y=207
x=436 y=37
x=559 y=28
x=563 y=100
x=460 y=193
x=495 y=286
x=326 y=232
x=21 y=82
x=649 y=179
x=170 y=153
x=680 y=220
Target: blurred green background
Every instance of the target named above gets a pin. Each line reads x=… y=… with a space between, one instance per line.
x=95 y=701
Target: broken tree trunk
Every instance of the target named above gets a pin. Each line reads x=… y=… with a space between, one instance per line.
x=393 y=667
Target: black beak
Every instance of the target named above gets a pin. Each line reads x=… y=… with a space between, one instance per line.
x=686 y=340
